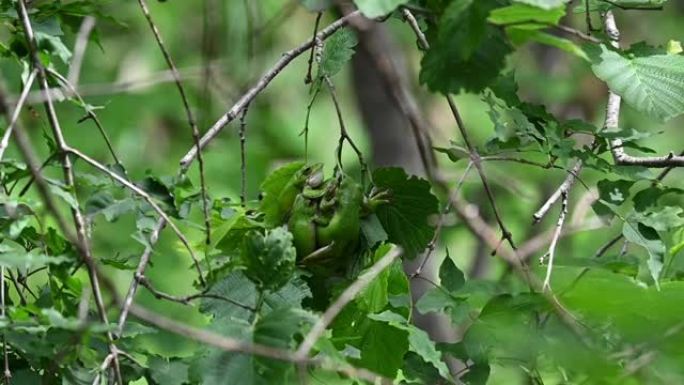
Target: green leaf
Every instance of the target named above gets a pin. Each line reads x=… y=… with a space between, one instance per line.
x=377 y=8
x=544 y=4
x=523 y=35
x=466 y=52
x=419 y=341
x=373 y=231
x=523 y=14
x=168 y=372
x=648 y=238
x=614 y=192
x=338 y=50
x=269 y=259
x=450 y=276
x=652 y=84
x=405 y=218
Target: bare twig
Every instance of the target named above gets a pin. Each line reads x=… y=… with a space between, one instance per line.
x=347 y=296
x=89 y=112
x=308 y=79
x=554 y=241
x=264 y=81
x=69 y=180
x=15 y=113
x=344 y=135
x=243 y=156
x=564 y=188
x=144 y=195
x=186 y=300
x=188 y=111
x=87 y=26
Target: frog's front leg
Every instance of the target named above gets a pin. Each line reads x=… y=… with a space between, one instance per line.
x=375 y=199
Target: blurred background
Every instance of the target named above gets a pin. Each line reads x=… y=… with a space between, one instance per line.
x=223 y=46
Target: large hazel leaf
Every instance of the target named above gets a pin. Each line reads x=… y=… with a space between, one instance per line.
x=405 y=218
x=652 y=84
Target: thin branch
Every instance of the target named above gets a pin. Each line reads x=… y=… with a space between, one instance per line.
x=346 y=297
x=243 y=156
x=69 y=180
x=188 y=111
x=144 y=195
x=564 y=188
x=139 y=271
x=87 y=26
x=233 y=345
x=4 y=143
x=89 y=112
x=344 y=135
x=186 y=300
x=308 y=78
x=554 y=241
x=261 y=84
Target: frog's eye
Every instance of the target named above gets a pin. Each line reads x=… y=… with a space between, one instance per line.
x=315 y=180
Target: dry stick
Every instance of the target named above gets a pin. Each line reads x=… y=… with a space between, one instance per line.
x=186 y=300
x=554 y=241
x=15 y=114
x=188 y=111
x=143 y=194
x=89 y=112
x=263 y=82
x=347 y=296
x=211 y=133
x=79 y=49
x=69 y=181
x=233 y=345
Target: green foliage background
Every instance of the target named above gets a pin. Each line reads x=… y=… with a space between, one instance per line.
x=509 y=335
